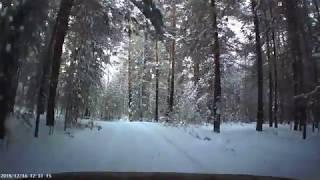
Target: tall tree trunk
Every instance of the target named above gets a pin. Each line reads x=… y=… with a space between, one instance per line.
x=44 y=72
x=295 y=52
x=270 y=67
x=296 y=49
x=259 y=65
x=146 y=73
x=70 y=88
x=270 y=81
x=172 y=88
x=9 y=59
x=310 y=76
x=282 y=95
x=169 y=84
x=275 y=115
x=156 y=115
x=217 y=74
x=129 y=71
x=173 y=56
x=143 y=85
x=315 y=64
x=60 y=33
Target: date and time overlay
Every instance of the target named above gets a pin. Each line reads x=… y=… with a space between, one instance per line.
x=25 y=176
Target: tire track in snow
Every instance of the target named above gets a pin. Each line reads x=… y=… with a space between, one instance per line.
x=181 y=150
x=196 y=163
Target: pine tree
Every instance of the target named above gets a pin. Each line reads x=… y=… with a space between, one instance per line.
x=296 y=48
x=217 y=77
x=156 y=115
x=145 y=74
x=275 y=68
x=130 y=70
x=173 y=58
x=254 y=9
x=57 y=43
x=270 y=75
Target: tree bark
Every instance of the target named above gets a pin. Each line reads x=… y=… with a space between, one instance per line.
x=270 y=82
x=296 y=48
x=143 y=84
x=129 y=71
x=270 y=67
x=146 y=74
x=60 y=33
x=44 y=72
x=173 y=56
x=169 y=84
x=282 y=97
x=217 y=74
x=275 y=67
x=156 y=116
x=259 y=66
x=275 y=115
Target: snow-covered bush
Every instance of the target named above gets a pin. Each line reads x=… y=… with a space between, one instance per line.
x=186 y=108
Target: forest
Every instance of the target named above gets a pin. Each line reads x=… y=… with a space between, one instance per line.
x=192 y=61
x=172 y=62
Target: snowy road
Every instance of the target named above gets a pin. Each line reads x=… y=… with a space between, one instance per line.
x=150 y=147
x=117 y=147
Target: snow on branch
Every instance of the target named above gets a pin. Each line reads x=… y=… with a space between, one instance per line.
x=305 y=98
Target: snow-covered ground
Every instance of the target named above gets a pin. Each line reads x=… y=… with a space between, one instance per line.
x=150 y=147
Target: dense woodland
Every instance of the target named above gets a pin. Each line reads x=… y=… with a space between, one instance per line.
x=191 y=61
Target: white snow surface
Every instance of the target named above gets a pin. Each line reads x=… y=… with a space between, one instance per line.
x=122 y=146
